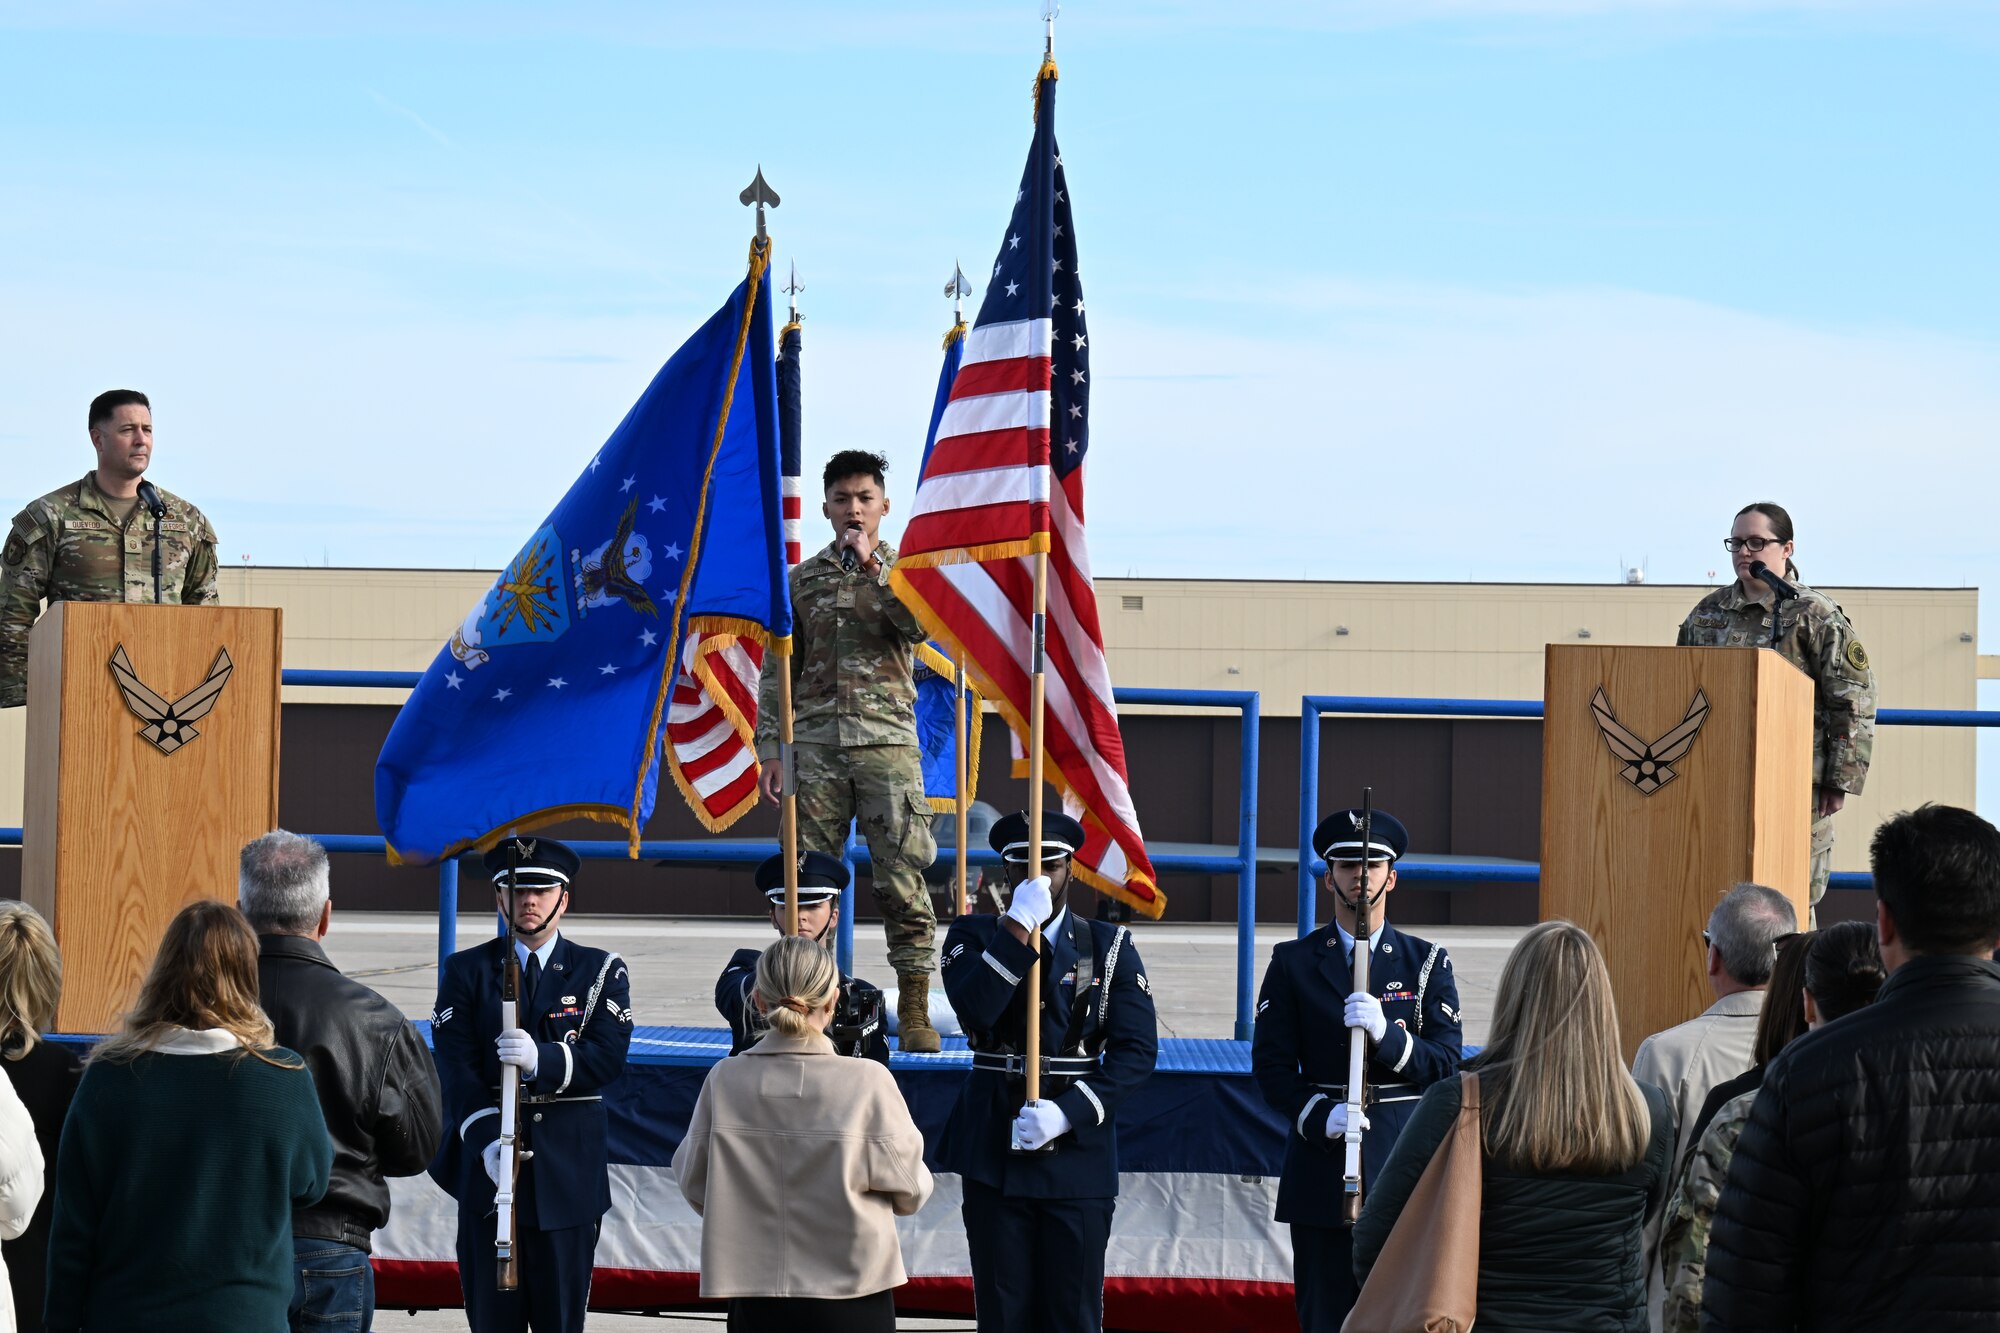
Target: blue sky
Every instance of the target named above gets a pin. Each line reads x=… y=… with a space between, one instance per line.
x=1508 y=290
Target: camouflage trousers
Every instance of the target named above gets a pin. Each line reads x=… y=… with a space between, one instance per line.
x=1822 y=864
x=881 y=788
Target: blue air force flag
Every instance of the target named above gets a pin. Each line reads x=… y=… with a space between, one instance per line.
x=548 y=702
x=937 y=703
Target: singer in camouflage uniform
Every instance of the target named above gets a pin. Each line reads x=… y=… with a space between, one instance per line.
x=1815 y=636
x=854 y=725
x=92 y=541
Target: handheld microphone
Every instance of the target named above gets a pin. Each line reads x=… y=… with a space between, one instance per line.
x=149 y=496
x=1760 y=570
x=849 y=561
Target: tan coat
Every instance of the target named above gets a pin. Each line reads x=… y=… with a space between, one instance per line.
x=799 y=1162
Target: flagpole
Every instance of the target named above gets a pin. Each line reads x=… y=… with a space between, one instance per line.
x=956 y=290
x=1032 y=1054
x=964 y=774
x=788 y=818
x=759 y=193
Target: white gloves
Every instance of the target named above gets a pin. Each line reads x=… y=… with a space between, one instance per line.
x=1031 y=904
x=1039 y=1122
x=1336 y=1124
x=491 y=1156
x=1364 y=1011
x=517 y=1048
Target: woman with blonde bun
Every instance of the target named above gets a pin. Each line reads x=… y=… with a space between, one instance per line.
x=799 y=1163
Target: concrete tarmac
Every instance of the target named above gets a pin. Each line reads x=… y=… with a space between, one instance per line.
x=674 y=964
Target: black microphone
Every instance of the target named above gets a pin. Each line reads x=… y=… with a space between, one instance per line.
x=149 y=496
x=849 y=561
x=1760 y=570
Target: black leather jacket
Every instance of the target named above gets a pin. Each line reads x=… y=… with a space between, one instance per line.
x=377 y=1085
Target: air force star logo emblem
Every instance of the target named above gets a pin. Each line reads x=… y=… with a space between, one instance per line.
x=168 y=724
x=1648 y=766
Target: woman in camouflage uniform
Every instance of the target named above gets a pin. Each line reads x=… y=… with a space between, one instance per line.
x=1842 y=971
x=1814 y=635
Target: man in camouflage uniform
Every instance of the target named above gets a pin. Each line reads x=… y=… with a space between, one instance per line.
x=1684 y=1242
x=854 y=725
x=1815 y=636
x=98 y=539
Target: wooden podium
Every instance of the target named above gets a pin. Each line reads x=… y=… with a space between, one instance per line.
x=152 y=758
x=1669 y=775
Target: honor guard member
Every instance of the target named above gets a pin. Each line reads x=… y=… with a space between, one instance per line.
x=1041 y=1179
x=112 y=537
x=1300 y=1046
x=576 y=1025
x=855 y=708
x=857 y=1027
x=1814 y=635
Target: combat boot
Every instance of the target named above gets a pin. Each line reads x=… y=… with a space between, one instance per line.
x=913 y=1012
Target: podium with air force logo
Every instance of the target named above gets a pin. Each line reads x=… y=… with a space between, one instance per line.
x=152 y=758
x=1669 y=775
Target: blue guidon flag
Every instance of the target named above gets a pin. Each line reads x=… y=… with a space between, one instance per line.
x=549 y=701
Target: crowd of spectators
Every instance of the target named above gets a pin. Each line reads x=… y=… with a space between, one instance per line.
x=1815 y=1151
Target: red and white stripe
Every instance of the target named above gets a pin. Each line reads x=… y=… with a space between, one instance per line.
x=987 y=486
x=794 y=511
x=713 y=751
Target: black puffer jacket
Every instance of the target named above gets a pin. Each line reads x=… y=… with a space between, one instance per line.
x=1862 y=1194
x=1557 y=1253
x=378 y=1088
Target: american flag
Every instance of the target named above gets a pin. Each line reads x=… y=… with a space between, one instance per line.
x=712 y=717
x=1020 y=414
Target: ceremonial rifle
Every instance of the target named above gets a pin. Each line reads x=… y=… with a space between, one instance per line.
x=1357 y=1040
x=512 y=1148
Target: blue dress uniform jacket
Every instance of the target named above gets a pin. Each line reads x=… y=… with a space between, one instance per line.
x=1299 y=1055
x=582 y=1031
x=858 y=1027
x=985 y=975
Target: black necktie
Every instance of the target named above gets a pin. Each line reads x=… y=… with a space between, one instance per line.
x=530 y=976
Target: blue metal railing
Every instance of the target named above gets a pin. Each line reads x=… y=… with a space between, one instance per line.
x=1243 y=864
x=1312 y=706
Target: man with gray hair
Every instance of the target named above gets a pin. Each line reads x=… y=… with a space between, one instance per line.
x=1686 y=1062
x=378 y=1088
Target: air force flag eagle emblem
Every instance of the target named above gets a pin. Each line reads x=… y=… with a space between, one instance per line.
x=1648 y=766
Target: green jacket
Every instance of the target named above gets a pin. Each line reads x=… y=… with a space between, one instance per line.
x=174 y=1191
x=1815 y=636
x=70 y=546
x=853 y=658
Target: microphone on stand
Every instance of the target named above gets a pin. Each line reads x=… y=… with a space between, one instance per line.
x=1760 y=570
x=1784 y=590
x=849 y=561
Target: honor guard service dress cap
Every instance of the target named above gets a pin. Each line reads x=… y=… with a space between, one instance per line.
x=1338 y=837
x=1061 y=836
x=821 y=878
x=539 y=863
